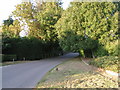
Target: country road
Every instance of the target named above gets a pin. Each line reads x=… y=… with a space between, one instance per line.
x=27 y=75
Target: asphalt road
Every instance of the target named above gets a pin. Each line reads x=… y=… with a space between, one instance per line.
x=27 y=75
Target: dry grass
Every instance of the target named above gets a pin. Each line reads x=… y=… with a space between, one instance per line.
x=75 y=74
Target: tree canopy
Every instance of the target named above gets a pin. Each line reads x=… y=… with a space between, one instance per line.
x=95 y=23
x=90 y=28
x=40 y=18
x=11 y=28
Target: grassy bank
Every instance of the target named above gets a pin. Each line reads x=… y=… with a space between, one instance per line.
x=75 y=74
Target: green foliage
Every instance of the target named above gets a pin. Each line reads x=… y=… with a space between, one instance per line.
x=30 y=48
x=47 y=18
x=76 y=43
x=24 y=10
x=25 y=13
x=8 y=57
x=8 y=22
x=100 y=51
x=40 y=19
x=106 y=62
x=91 y=24
x=113 y=48
x=41 y=41
x=88 y=27
x=11 y=29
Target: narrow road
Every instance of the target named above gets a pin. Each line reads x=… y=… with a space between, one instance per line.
x=27 y=75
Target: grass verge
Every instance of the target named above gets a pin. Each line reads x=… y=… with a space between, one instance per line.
x=75 y=74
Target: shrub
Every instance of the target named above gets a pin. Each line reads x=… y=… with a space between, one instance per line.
x=112 y=48
x=106 y=62
x=100 y=51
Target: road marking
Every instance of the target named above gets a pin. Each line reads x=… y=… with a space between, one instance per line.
x=5 y=66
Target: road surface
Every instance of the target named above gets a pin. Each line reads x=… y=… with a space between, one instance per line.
x=27 y=75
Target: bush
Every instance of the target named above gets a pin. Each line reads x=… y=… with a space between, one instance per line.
x=8 y=57
x=112 y=48
x=106 y=62
x=100 y=51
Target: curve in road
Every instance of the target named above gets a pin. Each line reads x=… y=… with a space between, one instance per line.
x=27 y=75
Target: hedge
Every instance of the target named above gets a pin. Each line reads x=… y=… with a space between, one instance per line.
x=8 y=57
x=30 y=48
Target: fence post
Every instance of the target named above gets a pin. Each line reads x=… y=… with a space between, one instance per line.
x=24 y=58
x=13 y=59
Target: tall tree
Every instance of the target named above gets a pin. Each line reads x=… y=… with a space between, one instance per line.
x=15 y=28
x=47 y=18
x=11 y=28
x=25 y=13
x=39 y=18
x=96 y=21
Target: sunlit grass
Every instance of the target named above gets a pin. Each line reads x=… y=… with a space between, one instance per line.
x=74 y=74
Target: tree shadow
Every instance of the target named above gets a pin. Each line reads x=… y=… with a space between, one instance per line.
x=86 y=46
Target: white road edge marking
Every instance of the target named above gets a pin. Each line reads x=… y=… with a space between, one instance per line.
x=5 y=66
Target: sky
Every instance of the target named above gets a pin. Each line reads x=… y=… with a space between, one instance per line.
x=7 y=6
